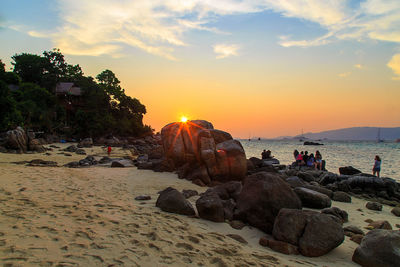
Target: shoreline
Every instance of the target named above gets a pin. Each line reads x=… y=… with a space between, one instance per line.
x=88 y=216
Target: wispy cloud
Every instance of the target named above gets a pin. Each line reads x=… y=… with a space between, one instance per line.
x=344 y=74
x=394 y=64
x=224 y=50
x=358 y=66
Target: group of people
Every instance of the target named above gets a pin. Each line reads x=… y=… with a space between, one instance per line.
x=303 y=159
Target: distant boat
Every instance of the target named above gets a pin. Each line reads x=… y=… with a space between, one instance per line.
x=378 y=137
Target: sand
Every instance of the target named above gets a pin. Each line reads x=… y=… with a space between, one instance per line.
x=57 y=216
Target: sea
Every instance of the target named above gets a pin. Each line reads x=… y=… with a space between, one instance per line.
x=359 y=154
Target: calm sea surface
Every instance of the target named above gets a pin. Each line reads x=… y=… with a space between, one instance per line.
x=359 y=154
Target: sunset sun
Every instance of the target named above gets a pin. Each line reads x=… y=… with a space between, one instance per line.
x=184 y=119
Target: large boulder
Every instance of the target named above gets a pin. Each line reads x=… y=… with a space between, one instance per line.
x=17 y=140
x=36 y=145
x=312 y=199
x=342 y=215
x=262 y=197
x=379 y=248
x=202 y=154
x=349 y=170
x=315 y=233
x=210 y=207
x=171 y=200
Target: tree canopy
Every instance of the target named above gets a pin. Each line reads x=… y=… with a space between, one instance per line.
x=103 y=108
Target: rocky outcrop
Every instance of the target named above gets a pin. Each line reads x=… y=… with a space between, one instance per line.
x=17 y=140
x=342 y=215
x=202 y=154
x=171 y=200
x=312 y=199
x=262 y=197
x=314 y=233
x=348 y=170
x=36 y=145
x=379 y=248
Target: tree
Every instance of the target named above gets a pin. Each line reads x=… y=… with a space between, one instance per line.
x=110 y=83
x=9 y=115
x=30 y=68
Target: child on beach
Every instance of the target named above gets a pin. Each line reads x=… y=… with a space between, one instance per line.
x=109 y=150
x=377 y=166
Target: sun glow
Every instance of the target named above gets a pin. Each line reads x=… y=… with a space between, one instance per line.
x=184 y=119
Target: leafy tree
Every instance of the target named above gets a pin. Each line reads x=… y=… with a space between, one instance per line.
x=31 y=68
x=110 y=83
x=10 y=116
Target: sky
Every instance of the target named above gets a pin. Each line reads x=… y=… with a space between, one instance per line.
x=253 y=68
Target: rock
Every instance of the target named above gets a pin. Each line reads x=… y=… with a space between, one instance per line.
x=71 y=148
x=264 y=241
x=42 y=163
x=105 y=160
x=143 y=197
x=237 y=224
x=374 y=206
x=209 y=154
x=117 y=164
x=357 y=238
x=67 y=154
x=308 y=177
x=17 y=140
x=341 y=197
x=237 y=238
x=381 y=224
x=261 y=198
x=35 y=145
x=396 y=211
x=87 y=142
x=315 y=233
x=379 y=248
x=312 y=199
x=295 y=181
x=257 y=163
x=283 y=247
x=210 y=207
x=80 y=151
x=73 y=164
x=320 y=189
x=189 y=193
x=348 y=170
x=171 y=200
x=353 y=229
x=335 y=211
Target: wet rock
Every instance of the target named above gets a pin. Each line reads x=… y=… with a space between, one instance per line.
x=335 y=211
x=171 y=200
x=261 y=198
x=374 y=206
x=341 y=197
x=143 y=197
x=312 y=199
x=348 y=170
x=396 y=211
x=189 y=193
x=379 y=248
x=381 y=224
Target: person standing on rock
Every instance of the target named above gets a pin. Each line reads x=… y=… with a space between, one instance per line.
x=377 y=166
x=109 y=150
x=264 y=154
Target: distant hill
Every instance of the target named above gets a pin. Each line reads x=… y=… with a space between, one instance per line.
x=355 y=133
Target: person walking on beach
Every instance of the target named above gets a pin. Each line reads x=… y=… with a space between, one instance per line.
x=377 y=166
x=109 y=150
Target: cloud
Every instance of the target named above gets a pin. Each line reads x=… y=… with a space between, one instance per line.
x=223 y=50
x=344 y=74
x=358 y=66
x=394 y=64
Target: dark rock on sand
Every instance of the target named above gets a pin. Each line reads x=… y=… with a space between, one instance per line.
x=357 y=238
x=189 y=193
x=117 y=164
x=283 y=247
x=210 y=207
x=17 y=140
x=143 y=197
x=237 y=224
x=353 y=230
x=36 y=145
x=261 y=198
x=171 y=200
x=341 y=197
x=42 y=163
x=87 y=142
x=295 y=181
x=71 y=148
x=320 y=189
x=80 y=151
x=379 y=248
x=349 y=170
x=312 y=199
x=315 y=233
x=374 y=206
x=381 y=224
x=396 y=211
x=335 y=211
x=306 y=176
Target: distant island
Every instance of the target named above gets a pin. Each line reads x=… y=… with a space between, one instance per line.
x=353 y=133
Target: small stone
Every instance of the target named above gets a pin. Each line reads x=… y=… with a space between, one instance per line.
x=68 y=154
x=374 y=206
x=368 y=220
x=353 y=229
x=396 y=211
x=380 y=225
x=143 y=197
x=357 y=238
x=237 y=224
x=265 y=240
x=189 y=193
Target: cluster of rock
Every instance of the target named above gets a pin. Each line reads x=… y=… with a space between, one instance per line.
x=104 y=161
x=19 y=141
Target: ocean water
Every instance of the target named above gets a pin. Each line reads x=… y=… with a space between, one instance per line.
x=359 y=154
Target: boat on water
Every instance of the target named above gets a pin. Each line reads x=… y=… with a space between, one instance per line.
x=378 y=137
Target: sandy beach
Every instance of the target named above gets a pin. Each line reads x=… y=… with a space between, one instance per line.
x=58 y=216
